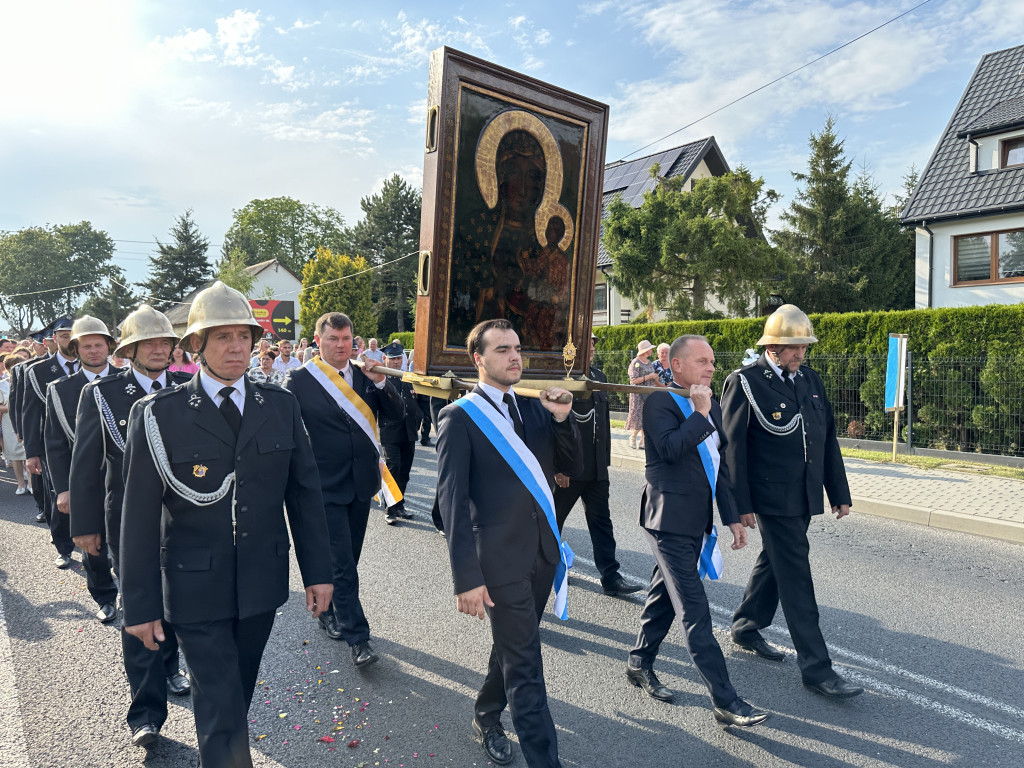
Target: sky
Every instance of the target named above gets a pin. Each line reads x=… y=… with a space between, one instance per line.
x=126 y=114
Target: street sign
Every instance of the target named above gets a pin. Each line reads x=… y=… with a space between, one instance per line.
x=278 y=317
x=895 y=373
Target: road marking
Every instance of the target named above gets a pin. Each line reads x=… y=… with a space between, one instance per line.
x=876 y=685
x=15 y=751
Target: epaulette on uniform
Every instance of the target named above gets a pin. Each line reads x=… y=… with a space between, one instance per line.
x=271 y=387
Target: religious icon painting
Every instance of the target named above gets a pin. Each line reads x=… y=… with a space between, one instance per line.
x=511 y=213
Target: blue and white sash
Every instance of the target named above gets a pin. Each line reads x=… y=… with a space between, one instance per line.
x=710 y=563
x=524 y=464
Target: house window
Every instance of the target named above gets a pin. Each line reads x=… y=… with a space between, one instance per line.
x=1013 y=152
x=600 y=298
x=990 y=257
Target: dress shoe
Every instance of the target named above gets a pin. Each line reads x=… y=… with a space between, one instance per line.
x=494 y=741
x=740 y=714
x=62 y=561
x=41 y=517
x=758 y=645
x=835 y=688
x=21 y=492
x=107 y=613
x=363 y=655
x=178 y=684
x=426 y=443
x=405 y=514
x=145 y=735
x=618 y=587
x=329 y=624
x=646 y=679
x=392 y=517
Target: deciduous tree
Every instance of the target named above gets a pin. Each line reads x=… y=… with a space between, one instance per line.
x=335 y=282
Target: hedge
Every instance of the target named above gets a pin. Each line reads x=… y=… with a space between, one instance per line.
x=407 y=338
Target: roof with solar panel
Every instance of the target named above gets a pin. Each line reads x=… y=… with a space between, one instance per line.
x=631 y=178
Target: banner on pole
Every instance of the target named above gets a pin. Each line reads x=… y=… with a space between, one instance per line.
x=895 y=373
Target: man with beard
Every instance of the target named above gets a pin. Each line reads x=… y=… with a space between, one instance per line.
x=91 y=342
x=97 y=494
x=497 y=457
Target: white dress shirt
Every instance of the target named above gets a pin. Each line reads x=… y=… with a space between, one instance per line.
x=498 y=398
x=346 y=373
x=89 y=375
x=212 y=387
x=147 y=383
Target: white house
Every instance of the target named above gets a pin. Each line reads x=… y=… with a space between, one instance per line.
x=968 y=207
x=630 y=179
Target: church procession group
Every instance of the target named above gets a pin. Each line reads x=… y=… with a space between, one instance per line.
x=187 y=493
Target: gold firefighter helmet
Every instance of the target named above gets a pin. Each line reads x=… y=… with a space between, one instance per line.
x=216 y=306
x=87 y=325
x=142 y=324
x=788 y=325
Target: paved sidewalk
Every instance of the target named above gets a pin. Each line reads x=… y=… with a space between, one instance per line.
x=958 y=501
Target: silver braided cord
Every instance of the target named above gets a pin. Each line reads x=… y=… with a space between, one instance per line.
x=163 y=468
x=107 y=416
x=62 y=418
x=775 y=429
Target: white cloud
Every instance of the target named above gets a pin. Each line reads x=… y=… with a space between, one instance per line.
x=517 y=21
x=190 y=45
x=543 y=37
x=298 y=26
x=298 y=121
x=235 y=34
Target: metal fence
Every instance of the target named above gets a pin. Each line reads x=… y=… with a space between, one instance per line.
x=974 y=405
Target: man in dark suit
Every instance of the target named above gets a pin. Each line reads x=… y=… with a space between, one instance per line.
x=349 y=462
x=209 y=467
x=33 y=406
x=782 y=448
x=592 y=485
x=18 y=380
x=685 y=472
x=503 y=548
x=96 y=495
x=398 y=436
x=90 y=343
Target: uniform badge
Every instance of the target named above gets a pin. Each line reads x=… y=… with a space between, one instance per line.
x=776 y=415
x=130 y=389
x=53 y=369
x=767 y=373
x=257 y=396
x=199 y=470
x=195 y=400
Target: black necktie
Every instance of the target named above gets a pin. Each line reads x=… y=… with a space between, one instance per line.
x=229 y=410
x=71 y=368
x=791 y=383
x=513 y=411
x=155 y=386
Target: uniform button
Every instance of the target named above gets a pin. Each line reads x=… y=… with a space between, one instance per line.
x=277 y=445
x=180 y=566
x=195 y=455
x=243 y=509
x=534 y=515
x=245 y=534
x=238 y=458
x=241 y=483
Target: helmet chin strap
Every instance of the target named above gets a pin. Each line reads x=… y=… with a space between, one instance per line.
x=145 y=368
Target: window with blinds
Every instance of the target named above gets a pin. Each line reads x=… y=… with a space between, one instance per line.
x=990 y=257
x=973 y=258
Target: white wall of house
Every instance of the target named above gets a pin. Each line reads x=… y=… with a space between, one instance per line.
x=276 y=282
x=989 y=149
x=944 y=293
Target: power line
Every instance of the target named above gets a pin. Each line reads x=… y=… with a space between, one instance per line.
x=777 y=79
x=47 y=290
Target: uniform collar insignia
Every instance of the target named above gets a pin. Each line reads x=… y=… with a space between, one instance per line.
x=257 y=396
x=767 y=373
x=53 y=369
x=195 y=400
x=130 y=388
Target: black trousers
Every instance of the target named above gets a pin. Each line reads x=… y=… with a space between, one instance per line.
x=224 y=660
x=515 y=671
x=35 y=482
x=147 y=671
x=676 y=590
x=424 y=426
x=398 y=457
x=599 y=521
x=60 y=524
x=346 y=524
x=98 y=576
x=782 y=573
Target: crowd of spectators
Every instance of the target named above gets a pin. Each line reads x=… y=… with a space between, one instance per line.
x=646 y=373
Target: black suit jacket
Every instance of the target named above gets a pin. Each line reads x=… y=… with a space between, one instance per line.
x=493 y=524
x=595 y=430
x=15 y=400
x=179 y=560
x=677 y=497
x=345 y=456
x=38 y=378
x=59 y=426
x=402 y=430
x=96 y=485
x=772 y=477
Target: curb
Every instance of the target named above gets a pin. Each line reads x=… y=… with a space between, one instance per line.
x=988 y=527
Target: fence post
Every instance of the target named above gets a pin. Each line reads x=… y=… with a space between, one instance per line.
x=910 y=402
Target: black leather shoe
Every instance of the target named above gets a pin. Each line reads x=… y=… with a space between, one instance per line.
x=62 y=561
x=495 y=742
x=392 y=517
x=178 y=684
x=646 y=679
x=145 y=735
x=740 y=714
x=329 y=624
x=761 y=648
x=363 y=655
x=426 y=442
x=107 y=613
x=41 y=517
x=405 y=514
x=835 y=688
x=618 y=587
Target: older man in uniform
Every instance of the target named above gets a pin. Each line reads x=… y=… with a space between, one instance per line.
x=782 y=450
x=33 y=406
x=398 y=436
x=90 y=343
x=497 y=455
x=209 y=467
x=592 y=484
x=341 y=405
x=96 y=495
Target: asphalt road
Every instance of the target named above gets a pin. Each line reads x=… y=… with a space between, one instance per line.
x=929 y=621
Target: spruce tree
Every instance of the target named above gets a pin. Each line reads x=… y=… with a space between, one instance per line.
x=179 y=267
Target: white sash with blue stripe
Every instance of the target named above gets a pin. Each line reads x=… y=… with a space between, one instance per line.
x=524 y=464
x=710 y=563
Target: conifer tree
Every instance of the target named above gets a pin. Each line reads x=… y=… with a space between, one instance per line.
x=180 y=266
